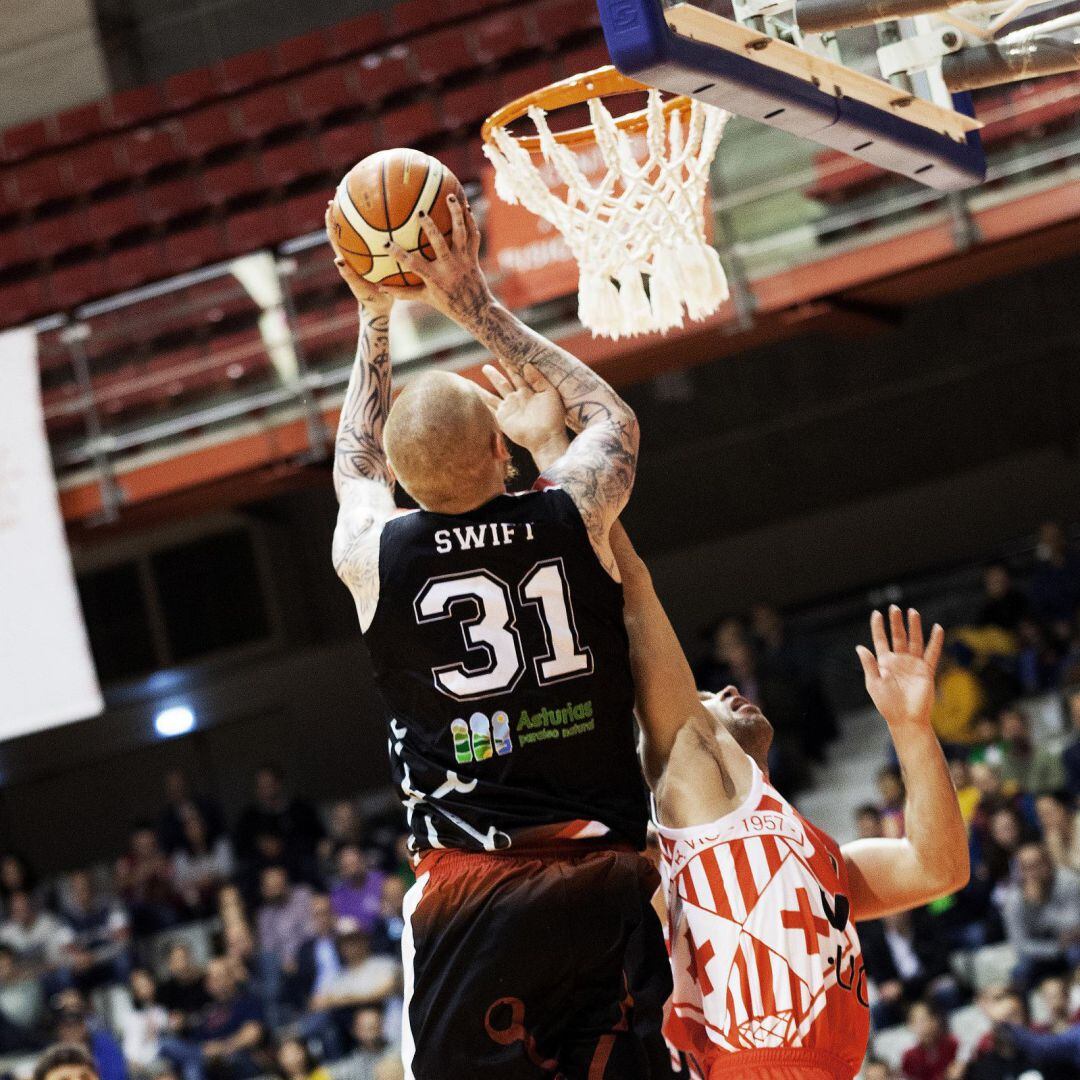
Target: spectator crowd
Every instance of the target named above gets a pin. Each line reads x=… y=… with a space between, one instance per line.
x=1018 y=920
x=204 y=953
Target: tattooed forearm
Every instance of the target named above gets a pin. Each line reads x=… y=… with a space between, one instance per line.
x=358 y=452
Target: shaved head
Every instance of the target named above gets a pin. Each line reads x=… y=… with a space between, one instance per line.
x=444 y=445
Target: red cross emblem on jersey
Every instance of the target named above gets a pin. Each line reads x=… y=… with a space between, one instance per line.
x=811 y=925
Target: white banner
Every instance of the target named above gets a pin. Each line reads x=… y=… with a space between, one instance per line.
x=47 y=674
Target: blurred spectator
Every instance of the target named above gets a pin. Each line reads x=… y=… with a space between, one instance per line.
x=143 y=1025
x=294 y=822
x=890 y=785
x=789 y=658
x=183 y=990
x=364 y=979
x=1004 y=605
x=1014 y=750
x=22 y=999
x=74 y=1025
x=935 y=1049
x=995 y=1056
x=37 y=938
x=1042 y=916
x=99 y=949
x=1060 y=825
x=294 y=1061
x=144 y=878
x=1039 y=660
x=967 y=794
x=879 y=1070
x=1055 y=585
x=868 y=823
x=1060 y=1015
x=66 y=1061
x=908 y=960
x=358 y=892
x=1055 y=1054
x=17 y=875
x=959 y=695
x=1070 y=755
x=202 y=862
x=1007 y=833
x=343 y=827
x=222 y=1042
x=387 y=938
x=403 y=864
x=371 y=1046
x=318 y=961
x=179 y=803
x=284 y=919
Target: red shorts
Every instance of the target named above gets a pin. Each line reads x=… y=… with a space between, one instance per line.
x=780 y=1064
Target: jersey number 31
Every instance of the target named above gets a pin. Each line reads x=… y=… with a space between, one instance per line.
x=483 y=604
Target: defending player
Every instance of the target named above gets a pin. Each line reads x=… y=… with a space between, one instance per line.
x=494 y=624
x=769 y=981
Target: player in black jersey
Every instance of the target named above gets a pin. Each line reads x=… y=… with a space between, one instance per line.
x=495 y=628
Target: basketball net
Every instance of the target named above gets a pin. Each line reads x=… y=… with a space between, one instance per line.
x=643 y=219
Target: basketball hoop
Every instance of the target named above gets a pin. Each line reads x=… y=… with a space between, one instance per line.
x=645 y=216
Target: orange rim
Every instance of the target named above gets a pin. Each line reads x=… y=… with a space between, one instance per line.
x=602 y=82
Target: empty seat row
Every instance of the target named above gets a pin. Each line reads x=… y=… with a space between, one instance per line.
x=429 y=55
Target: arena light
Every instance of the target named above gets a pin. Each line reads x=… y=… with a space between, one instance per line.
x=173 y=721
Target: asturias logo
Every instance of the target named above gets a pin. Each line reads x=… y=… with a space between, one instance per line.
x=479 y=738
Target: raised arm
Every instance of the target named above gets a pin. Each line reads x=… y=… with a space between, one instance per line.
x=598 y=469
x=932 y=859
x=362 y=478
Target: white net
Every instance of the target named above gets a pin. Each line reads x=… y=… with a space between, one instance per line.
x=643 y=218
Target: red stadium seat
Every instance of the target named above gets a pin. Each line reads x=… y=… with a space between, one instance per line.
x=9 y=195
x=133 y=266
x=245 y=70
x=584 y=59
x=410 y=123
x=251 y=230
x=150 y=148
x=16 y=246
x=111 y=217
x=173 y=198
x=74 y=284
x=520 y=81
x=442 y=53
x=305 y=213
x=23 y=300
x=380 y=75
x=95 y=164
x=74 y=125
x=195 y=247
x=49 y=236
x=133 y=106
x=288 y=162
x=558 y=19
x=325 y=91
x=234 y=178
x=190 y=88
x=300 y=53
x=466 y=105
x=265 y=110
x=356 y=35
x=40 y=180
x=208 y=129
x=342 y=147
x=24 y=139
x=409 y=16
x=499 y=34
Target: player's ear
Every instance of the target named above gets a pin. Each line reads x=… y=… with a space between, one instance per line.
x=499 y=448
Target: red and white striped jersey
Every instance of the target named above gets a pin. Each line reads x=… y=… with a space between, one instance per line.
x=764 y=954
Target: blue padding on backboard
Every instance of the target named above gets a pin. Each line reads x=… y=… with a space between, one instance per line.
x=643 y=46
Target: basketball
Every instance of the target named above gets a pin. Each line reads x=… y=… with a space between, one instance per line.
x=380 y=199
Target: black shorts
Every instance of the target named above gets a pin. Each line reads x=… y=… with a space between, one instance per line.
x=534 y=967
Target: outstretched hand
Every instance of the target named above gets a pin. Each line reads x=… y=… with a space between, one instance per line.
x=528 y=408
x=900 y=677
x=452 y=282
x=370 y=297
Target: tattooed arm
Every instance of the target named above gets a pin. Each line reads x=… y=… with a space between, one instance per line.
x=597 y=471
x=362 y=478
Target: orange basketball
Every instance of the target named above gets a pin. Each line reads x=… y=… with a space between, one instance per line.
x=379 y=200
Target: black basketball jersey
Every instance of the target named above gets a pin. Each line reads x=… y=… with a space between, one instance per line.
x=499 y=649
